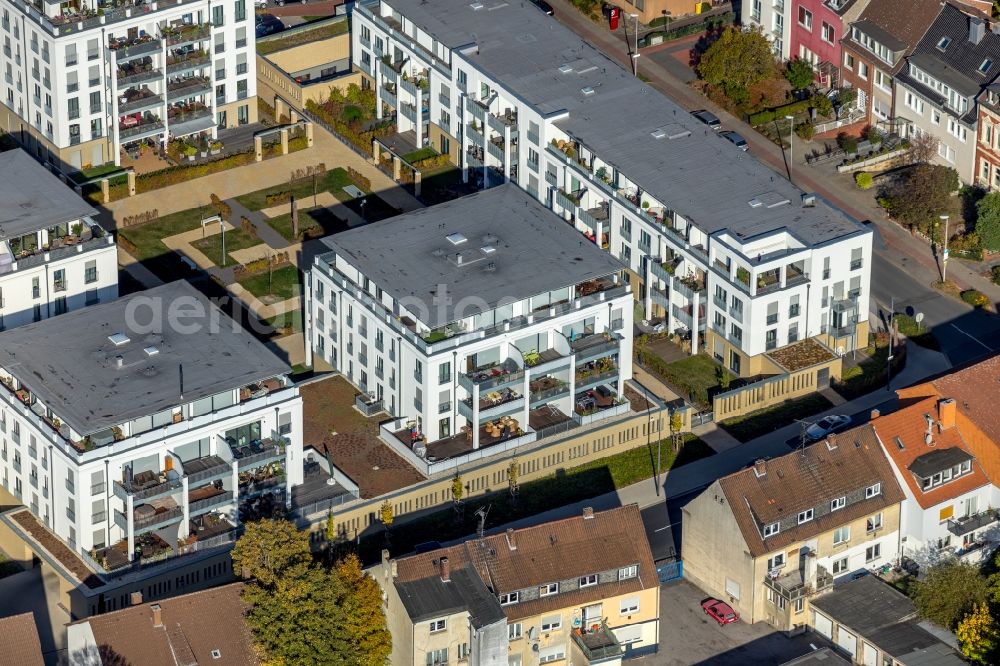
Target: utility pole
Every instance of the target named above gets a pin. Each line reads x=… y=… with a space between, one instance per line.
x=222 y=226
x=944 y=252
x=635 y=51
x=888 y=362
x=791 y=145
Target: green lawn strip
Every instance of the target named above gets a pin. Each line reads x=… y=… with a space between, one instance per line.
x=419 y=154
x=284 y=281
x=146 y=237
x=763 y=421
x=283 y=223
x=303 y=36
x=564 y=487
x=918 y=333
x=285 y=320
x=95 y=172
x=236 y=239
x=333 y=181
x=693 y=376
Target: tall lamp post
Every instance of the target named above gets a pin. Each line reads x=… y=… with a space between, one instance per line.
x=944 y=252
x=635 y=51
x=791 y=144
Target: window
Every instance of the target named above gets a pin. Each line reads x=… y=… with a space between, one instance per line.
x=548 y=590
x=841 y=535
x=73 y=105
x=883 y=80
x=218 y=16
x=90 y=272
x=514 y=631
x=771 y=339
x=241 y=10
x=943 y=43
x=838 y=504
x=849 y=61
x=840 y=566
x=587 y=581
x=873 y=552
x=438 y=625
x=828 y=33
x=552 y=653
x=914 y=102
x=755 y=15
x=946 y=152
x=800 y=605
x=805 y=516
x=435 y=657
x=628 y=606
x=874 y=522
x=956 y=129
x=95 y=101
x=463 y=651
x=509 y=598
x=628 y=572
x=776 y=562
x=863 y=70
x=805 y=18
x=551 y=623
x=772 y=529
x=872 y=491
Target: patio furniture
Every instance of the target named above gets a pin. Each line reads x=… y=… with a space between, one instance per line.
x=143 y=511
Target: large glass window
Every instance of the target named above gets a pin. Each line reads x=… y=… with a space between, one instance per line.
x=243 y=435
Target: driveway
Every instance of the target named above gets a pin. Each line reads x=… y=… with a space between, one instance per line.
x=688 y=636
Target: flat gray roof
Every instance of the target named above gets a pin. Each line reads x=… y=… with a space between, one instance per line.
x=33 y=198
x=514 y=248
x=699 y=174
x=71 y=362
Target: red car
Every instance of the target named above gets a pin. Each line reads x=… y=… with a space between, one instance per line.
x=720 y=611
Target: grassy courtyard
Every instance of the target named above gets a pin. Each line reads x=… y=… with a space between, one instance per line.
x=236 y=239
x=313 y=223
x=333 y=181
x=282 y=283
x=694 y=377
x=145 y=238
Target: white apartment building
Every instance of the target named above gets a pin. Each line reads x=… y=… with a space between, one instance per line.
x=53 y=256
x=86 y=78
x=479 y=322
x=774 y=18
x=144 y=428
x=723 y=250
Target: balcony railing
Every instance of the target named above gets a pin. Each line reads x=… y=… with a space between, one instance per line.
x=486 y=379
x=202 y=505
x=187 y=34
x=193 y=60
x=595 y=346
x=123 y=490
x=792 y=585
x=598 y=644
x=137 y=50
x=269 y=452
x=368 y=406
x=212 y=467
x=139 y=103
x=965 y=525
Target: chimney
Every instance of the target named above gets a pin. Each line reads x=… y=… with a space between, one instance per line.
x=809 y=575
x=135 y=598
x=157 y=618
x=977 y=29
x=875 y=414
x=588 y=512
x=510 y=539
x=831 y=441
x=445 y=570
x=946 y=413
x=393 y=569
x=760 y=467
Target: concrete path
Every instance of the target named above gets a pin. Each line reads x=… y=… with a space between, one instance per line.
x=259 y=221
x=140 y=273
x=716 y=437
x=234 y=182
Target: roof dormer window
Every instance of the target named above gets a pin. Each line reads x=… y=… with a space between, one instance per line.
x=805 y=516
x=985 y=67
x=943 y=43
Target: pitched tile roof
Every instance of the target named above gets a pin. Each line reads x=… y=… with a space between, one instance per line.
x=555 y=551
x=904 y=20
x=810 y=479
x=975 y=389
x=19 y=644
x=194 y=626
x=958 y=63
x=908 y=426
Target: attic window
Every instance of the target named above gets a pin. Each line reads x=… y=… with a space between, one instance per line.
x=588 y=91
x=943 y=43
x=985 y=67
x=216 y=654
x=119 y=339
x=899 y=443
x=456 y=238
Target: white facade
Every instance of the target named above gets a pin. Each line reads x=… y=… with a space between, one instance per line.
x=435 y=384
x=689 y=275
x=47 y=283
x=774 y=18
x=73 y=79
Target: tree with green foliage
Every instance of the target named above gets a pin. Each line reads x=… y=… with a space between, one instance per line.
x=950 y=591
x=863 y=179
x=737 y=60
x=456 y=488
x=920 y=195
x=988 y=221
x=978 y=635
x=799 y=73
x=822 y=104
x=269 y=550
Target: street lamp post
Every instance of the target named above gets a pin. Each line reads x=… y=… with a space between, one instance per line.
x=791 y=144
x=635 y=51
x=944 y=252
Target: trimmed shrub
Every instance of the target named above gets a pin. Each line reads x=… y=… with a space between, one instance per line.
x=863 y=180
x=975 y=298
x=806 y=130
x=359 y=179
x=769 y=115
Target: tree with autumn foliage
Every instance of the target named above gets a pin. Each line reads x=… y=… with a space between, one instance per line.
x=301 y=612
x=737 y=61
x=978 y=636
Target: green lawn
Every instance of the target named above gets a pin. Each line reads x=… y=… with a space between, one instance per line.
x=284 y=283
x=763 y=421
x=693 y=376
x=146 y=238
x=919 y=333
x=313 y=223
x=236 y=239
x=95 y=172
x=287 y=320
x=333 y=181
x=419 y=154
x=567 y=486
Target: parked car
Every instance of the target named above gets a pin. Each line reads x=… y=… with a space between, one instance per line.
x=827 y=425
x=542 y=5
x=268 y=24
x=736 y=140
x=708 y=118
x=720 y=611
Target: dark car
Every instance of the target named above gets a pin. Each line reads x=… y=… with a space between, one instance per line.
x=708 y=118
x=544 y=6
x=268 y=24
x=736 y=140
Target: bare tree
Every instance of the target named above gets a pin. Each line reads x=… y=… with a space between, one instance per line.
x=923 y=148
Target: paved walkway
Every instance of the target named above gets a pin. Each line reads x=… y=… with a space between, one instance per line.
x=838 y=189
x=234 y=182
x=259 y=222
x=140 y=273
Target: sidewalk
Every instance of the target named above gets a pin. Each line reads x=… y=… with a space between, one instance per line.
x=838 y=190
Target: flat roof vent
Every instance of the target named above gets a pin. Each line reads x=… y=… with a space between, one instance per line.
x=769 y=200
x=151 y=351
x=671 y=131
x=566 y=69
x=476 y=6
x=119 y=339
x=588 y=91
x=456 y=238
x=488 y=249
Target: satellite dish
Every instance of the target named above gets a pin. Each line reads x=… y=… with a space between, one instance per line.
x=919 y=317
x=840 y=350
